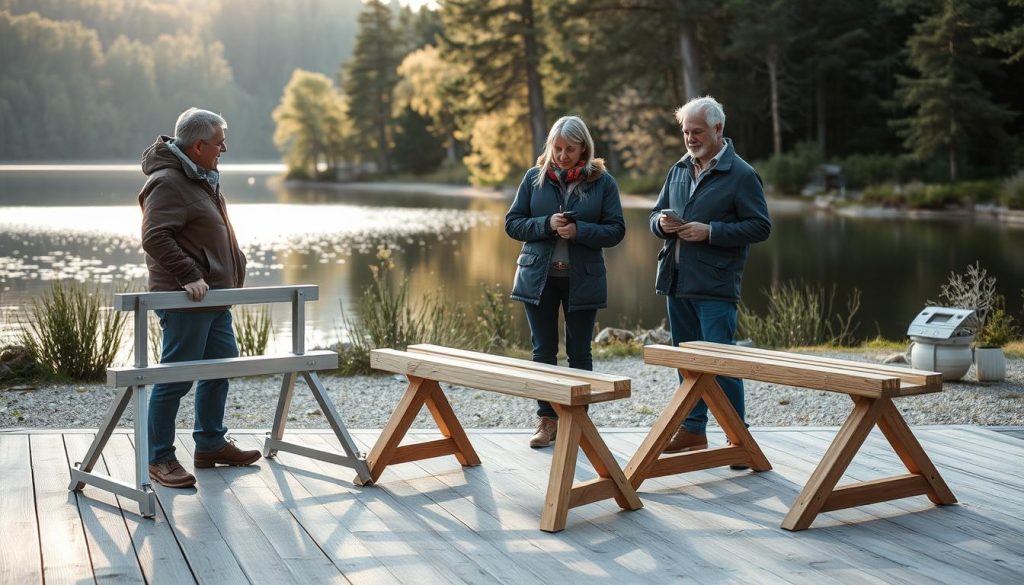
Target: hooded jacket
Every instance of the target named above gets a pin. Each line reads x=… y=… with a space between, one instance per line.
x=731 y=200
x=186 y=233
x=599 y=225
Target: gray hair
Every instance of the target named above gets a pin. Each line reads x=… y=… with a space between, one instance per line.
x=574 y=130
x=194 y=124
x=707 y=106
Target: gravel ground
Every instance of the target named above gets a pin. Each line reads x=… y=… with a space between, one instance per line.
x=365 y=402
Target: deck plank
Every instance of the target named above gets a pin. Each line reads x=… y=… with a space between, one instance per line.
x=110 y=544
x=61 y=534
x=298 y=520
x=19 y=547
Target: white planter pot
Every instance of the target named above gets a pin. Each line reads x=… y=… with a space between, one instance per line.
x=990 y=364
x=951 y=358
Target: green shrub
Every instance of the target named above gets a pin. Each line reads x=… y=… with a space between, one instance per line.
x=800 y=315
x=497 y=327
x=864 y=170
x=70 y=335
x=252 y=329
x=1000 y=329
x=788 y=173
x=1012 y=194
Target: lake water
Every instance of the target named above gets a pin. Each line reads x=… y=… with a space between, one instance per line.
x=83 y=223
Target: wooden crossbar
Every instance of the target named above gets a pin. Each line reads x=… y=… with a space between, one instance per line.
x=426 y=366
x=871 y=387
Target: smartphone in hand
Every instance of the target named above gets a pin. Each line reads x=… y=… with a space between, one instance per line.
x=669 y=212
x=570 y=216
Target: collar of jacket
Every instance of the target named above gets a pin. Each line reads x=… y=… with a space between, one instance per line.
x=724 y=163
x=191 y=169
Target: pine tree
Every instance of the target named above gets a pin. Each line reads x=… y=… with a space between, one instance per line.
x=949 y=103
x=369 y=82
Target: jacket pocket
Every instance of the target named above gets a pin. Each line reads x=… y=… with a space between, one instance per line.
x=526 y=259
x=595 y=268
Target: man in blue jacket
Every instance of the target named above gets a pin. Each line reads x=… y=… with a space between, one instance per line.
x=710 y=210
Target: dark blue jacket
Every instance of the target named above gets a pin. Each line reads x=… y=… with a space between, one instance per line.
x=599 y=225
x=731 y=200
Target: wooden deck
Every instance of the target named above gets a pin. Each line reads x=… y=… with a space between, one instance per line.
x=295 y=520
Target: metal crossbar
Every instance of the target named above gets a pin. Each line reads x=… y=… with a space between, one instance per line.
x=135 y=379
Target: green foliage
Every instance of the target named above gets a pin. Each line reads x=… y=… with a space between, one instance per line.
x=789 y=172
x=649 y=184
x=1012 y=195
x=800 y=315
x=369 y=83
x=947 y=99
x=932 y=196
x=863 y=170
x=313 y=130
x=496 y=325
x=416 y=150
x=252 y=329
x=1000 y=328
x=70 y=335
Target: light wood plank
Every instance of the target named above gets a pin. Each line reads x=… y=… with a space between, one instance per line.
x=932 y=381
x=495 y=378
x=875 y=491
x=831 y=379
x=215 y=369
x=686 y=396
x=619 y=386
x=65 y=552
x=111 y=549
x=563 y=470
x=19 y=546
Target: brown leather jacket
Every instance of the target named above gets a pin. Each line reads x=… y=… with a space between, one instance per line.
x=185 y=228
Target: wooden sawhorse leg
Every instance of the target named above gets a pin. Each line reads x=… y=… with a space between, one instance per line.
x=576 y=430
x=648 y=461
x=821 y=494
x=388 y=449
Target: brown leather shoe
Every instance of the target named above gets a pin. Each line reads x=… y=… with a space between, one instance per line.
x=229 y=454
x=171 y=474
x=546 y=431
x=684 y=441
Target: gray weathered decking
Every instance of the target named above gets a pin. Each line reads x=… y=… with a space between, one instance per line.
x=295 y=520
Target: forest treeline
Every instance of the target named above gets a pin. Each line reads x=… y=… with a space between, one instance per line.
x=99 y=79
x=894 y=90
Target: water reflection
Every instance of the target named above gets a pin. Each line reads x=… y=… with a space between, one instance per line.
x=328 y=236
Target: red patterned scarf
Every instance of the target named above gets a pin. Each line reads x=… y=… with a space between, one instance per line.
x=568 y=176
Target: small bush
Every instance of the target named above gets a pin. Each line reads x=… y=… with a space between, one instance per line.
x=252 y=329
x=1012 y=194
x=71 y=336
x=864 y=170
x=800 y=315
x=1000 y=328
x=497 y=327
x=788 y=173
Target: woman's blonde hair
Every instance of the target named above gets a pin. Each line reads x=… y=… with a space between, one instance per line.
x=574 y=130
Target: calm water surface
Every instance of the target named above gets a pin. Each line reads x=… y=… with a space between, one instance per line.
x=83 y=224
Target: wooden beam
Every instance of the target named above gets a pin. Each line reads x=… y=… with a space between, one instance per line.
x=423 y=450
x=909 y=450
x=563 y=472
x=449 y=425
x=221 y=368
x=483 y=376
x=734 y=427
x=394 y=431
x=686 y=396
x=697 y=460
x=828 y=378
x=616 y=386
x=874 y=491
x=927 y=381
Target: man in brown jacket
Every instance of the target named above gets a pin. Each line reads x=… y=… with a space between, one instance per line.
x=191 y=246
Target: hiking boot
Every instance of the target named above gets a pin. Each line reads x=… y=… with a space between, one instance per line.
x=546 y=431
x=171 y=474
x=229 y=454
x=684 y=441
x=738 y=466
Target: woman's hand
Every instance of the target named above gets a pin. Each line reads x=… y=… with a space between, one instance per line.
x=558 y=221
x=567 y=231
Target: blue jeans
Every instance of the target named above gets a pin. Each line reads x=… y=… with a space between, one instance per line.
x=191 y=336
x=543 y=320
x=706 y=320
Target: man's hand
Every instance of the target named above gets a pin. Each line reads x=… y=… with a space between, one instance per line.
x=694 y=231
x=669 y=225
x=197 y=290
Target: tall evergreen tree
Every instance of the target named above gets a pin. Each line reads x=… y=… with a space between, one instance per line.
x=369 y=81
x=949 y=103
x=500 y=44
